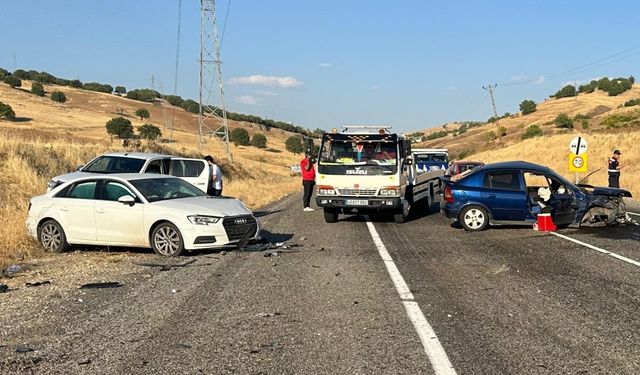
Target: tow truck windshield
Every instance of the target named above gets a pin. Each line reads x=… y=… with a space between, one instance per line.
x=358 y=154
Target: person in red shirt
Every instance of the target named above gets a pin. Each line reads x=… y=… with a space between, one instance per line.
x=308 y=181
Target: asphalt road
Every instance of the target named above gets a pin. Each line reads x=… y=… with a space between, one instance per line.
x=502 y=301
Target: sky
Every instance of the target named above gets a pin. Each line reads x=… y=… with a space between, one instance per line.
x=410 y=64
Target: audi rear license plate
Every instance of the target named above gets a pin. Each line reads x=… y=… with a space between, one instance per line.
x=357 y=202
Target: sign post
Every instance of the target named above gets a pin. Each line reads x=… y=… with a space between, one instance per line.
x=578 y=156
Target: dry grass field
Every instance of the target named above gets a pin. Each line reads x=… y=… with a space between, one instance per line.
x=50 y=138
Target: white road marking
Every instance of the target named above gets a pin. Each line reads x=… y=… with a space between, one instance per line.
x=432 y=347
x=603 y=251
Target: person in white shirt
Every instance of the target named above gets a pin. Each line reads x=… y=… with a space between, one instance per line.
x=215 y=182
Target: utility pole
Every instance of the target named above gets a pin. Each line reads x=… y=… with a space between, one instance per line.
x=211 y=76
x=493 y=104
x=153 y=82
x=14 y=61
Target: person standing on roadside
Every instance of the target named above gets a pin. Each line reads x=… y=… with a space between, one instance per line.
x=308 y=181
x=614 y=169
x=214 y=187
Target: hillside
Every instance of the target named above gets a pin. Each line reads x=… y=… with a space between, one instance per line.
x=49 y=138
x=552 y=148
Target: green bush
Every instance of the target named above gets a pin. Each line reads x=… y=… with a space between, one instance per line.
x=617 y=121
x=3 y=73
x=120 y=127
x=120 y=90
x=21 y=74
x=585 y=124
x=294 y=144
x=191 y=106
x=99 y=87
x=174 y=100
x=75 y=83
x=632 y=102
x=435 y=135
x=144 y=95
x=589 y=87
x=528 y=106
x=580 y=116
x=532 y=131
x=563 y=121
x=143 y=113
x=37 y=89
x=239 y=136
x=502 y=131
x=149 y=131
x=6 y=111
x=12 y=81
x=567 y=91
x=259 y=140
x=44 y=77
x=491 y=136
x=58 y=96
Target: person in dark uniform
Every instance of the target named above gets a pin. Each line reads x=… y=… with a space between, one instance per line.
x=614 y=169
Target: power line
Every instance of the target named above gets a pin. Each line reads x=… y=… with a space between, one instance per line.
x=224 y=26
x=493 y=104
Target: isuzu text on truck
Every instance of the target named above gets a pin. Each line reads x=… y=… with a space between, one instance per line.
x=368 y=169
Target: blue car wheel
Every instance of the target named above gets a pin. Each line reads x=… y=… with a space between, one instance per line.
x=474 y=218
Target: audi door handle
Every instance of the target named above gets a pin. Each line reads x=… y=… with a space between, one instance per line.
x=491 y=195
x=64 y=209
x=100 y=210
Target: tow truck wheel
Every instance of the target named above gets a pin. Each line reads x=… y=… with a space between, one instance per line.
x=401 y=217
x=330 y=216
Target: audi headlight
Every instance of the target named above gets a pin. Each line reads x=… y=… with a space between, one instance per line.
x=203 y=220
x=390 y=192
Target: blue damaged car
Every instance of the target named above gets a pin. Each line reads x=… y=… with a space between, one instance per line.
x=513 y=193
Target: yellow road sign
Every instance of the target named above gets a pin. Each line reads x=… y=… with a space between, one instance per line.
x=578 y=163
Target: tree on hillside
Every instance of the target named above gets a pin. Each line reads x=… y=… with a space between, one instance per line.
x=12 y=81
x=3 y=73
x=6 y=112
x=142 y=113
x=174 y=100
x=563 y=121
x=99 y=87
x=528 y=106
x=149 y=131
x=58 y=96
x=120 y=127
x=37 y=89
x=191 y=106
x=239 y=136
x=294 y=144
x=259 y=140
x=21 y=74
x=567 y=91
x=75 y=83
x=144 y=95
x=532 y=131
x=121 y=90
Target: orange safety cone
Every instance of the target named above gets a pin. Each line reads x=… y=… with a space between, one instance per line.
x=544 y=223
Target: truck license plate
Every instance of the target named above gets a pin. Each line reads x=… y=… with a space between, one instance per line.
x=358 y=202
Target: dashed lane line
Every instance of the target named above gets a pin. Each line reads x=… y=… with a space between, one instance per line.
x=432 y=347
x=603 y=251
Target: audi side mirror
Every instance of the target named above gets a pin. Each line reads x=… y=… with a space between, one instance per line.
x=127 y=199
x=79 y=167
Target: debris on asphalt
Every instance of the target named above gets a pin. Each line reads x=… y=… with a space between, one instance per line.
x=338 y=273
x=24 y=349
x=80 y=300
x=223 y=253
x=315 y=266
x=183 y=346
x=85 y=361
x=38 y=283
x=165 y=266
x=11 y=270
x=271 y=254
x=303 y=238
x=262 y=246
x=268 y=315
x=174 y=291
x=102 y=285
x=4 y=288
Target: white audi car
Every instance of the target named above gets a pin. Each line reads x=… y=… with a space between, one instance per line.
x=165 y=213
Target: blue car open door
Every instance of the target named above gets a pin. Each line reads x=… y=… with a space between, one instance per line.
x=504 y=194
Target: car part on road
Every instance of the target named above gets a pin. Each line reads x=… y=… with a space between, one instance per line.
x=11 y=270
x=4 y=288
x=38 y=283
x=474 y=218
x=166 y=240
x=52 y=236
x=102 y=285
x=23 y=349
